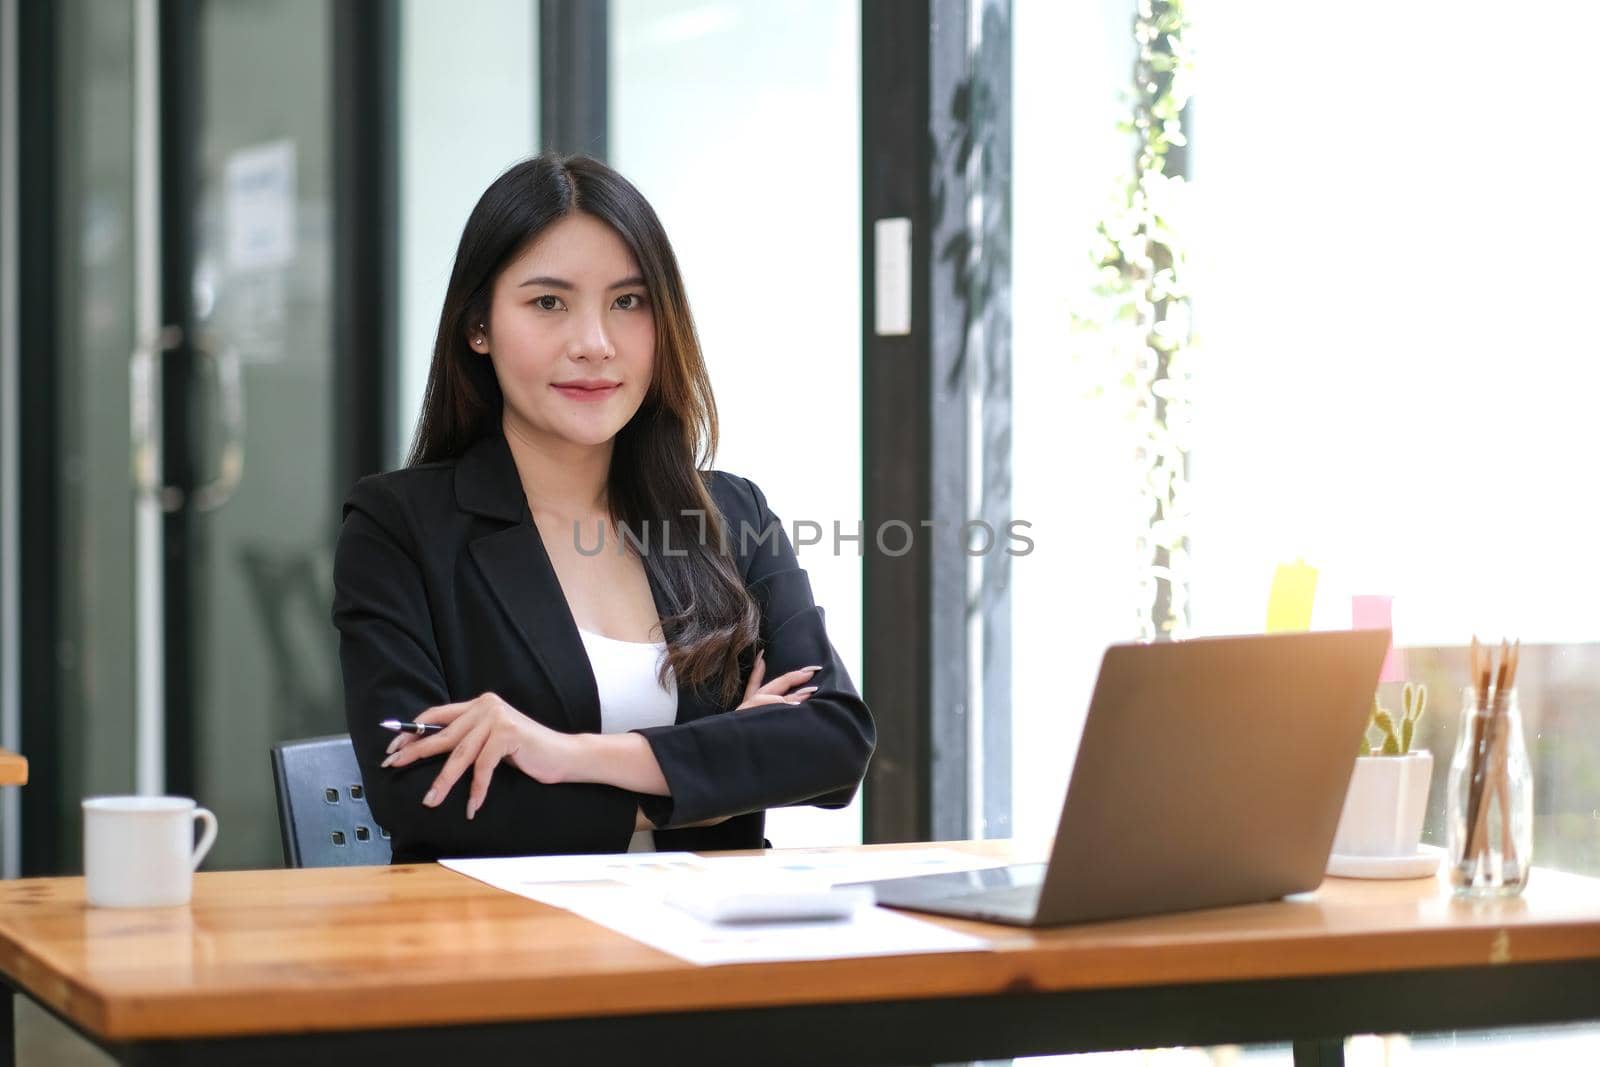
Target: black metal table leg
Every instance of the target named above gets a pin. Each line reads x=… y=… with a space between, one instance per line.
x=8 y=1026
x=1323 y=1052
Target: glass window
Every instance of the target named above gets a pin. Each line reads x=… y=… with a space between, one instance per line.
x=1397 y=379
x=1074 y=593
x=1396 y=376
x=1389 y=235
x=469 y=108
x=1392 y=371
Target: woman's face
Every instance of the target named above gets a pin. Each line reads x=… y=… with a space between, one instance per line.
x=571 y=335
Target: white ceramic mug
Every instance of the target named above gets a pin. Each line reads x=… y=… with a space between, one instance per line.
x=139 y=852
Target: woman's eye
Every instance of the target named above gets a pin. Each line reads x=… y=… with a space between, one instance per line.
x=630 y=302
x=548 y=303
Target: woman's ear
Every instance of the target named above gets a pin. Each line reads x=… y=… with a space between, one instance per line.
x=478 y=338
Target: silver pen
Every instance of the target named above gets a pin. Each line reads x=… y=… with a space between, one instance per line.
x=421 y=729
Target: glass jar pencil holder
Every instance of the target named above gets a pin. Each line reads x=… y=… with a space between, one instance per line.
x=1490 y=807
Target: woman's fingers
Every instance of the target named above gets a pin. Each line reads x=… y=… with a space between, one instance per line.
x=781 y=690
x=432 y=745
x=445 y=714
x=761 y=700
x=489 y=758
x=417 y=748
x=472 y=735
x=462 y=757
x=785 y=682
x=442 y=714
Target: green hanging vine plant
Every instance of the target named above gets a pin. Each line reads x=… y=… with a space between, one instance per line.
x=1140 y=326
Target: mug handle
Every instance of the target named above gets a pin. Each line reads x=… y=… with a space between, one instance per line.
x=207 y=839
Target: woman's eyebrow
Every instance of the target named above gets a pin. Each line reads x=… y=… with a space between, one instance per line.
x=561 y=283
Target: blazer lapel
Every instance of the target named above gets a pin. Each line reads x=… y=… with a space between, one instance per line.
x=517 y=569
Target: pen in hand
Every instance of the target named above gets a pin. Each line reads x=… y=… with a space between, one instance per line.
x=421 y=729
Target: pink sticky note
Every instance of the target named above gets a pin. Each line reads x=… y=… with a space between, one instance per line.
x=1377 y=613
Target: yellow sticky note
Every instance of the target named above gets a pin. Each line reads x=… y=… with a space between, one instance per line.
x=1294 y=587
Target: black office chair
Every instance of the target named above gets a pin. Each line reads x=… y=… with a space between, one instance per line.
x=322 y=806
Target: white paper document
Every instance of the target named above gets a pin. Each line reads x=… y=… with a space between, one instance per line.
x=626 y=893
x=838 y=868
x=260 y=198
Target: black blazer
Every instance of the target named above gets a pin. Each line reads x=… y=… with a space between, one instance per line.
x=443 y=591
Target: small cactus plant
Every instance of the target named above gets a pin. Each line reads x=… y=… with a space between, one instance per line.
x=1397 y=738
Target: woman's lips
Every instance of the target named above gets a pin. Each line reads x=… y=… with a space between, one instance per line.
x=587 y=392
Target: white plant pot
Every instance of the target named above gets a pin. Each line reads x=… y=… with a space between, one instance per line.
x=1384 y=807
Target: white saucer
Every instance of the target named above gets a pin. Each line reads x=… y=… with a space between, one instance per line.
x=1421 y=865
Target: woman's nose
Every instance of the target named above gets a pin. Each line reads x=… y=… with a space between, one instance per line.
x=592 y=340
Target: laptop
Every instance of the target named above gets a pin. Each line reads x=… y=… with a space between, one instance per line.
x=1210 y=772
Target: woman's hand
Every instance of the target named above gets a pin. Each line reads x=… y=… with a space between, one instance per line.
x=778 y=691
x=484 y=731
x=479 y=733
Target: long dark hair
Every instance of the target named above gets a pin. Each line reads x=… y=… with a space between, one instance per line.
x=657 y=457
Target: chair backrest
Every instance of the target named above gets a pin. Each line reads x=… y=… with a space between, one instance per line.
x=322 y=805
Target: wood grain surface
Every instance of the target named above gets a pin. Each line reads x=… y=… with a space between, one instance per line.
x=375 y=947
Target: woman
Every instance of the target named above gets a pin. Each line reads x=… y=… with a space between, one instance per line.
x=619 y=644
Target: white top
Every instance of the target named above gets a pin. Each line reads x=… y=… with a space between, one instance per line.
x=630 y=696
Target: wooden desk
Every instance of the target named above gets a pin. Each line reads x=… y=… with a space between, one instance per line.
x=416 y=964
x=13 y=768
